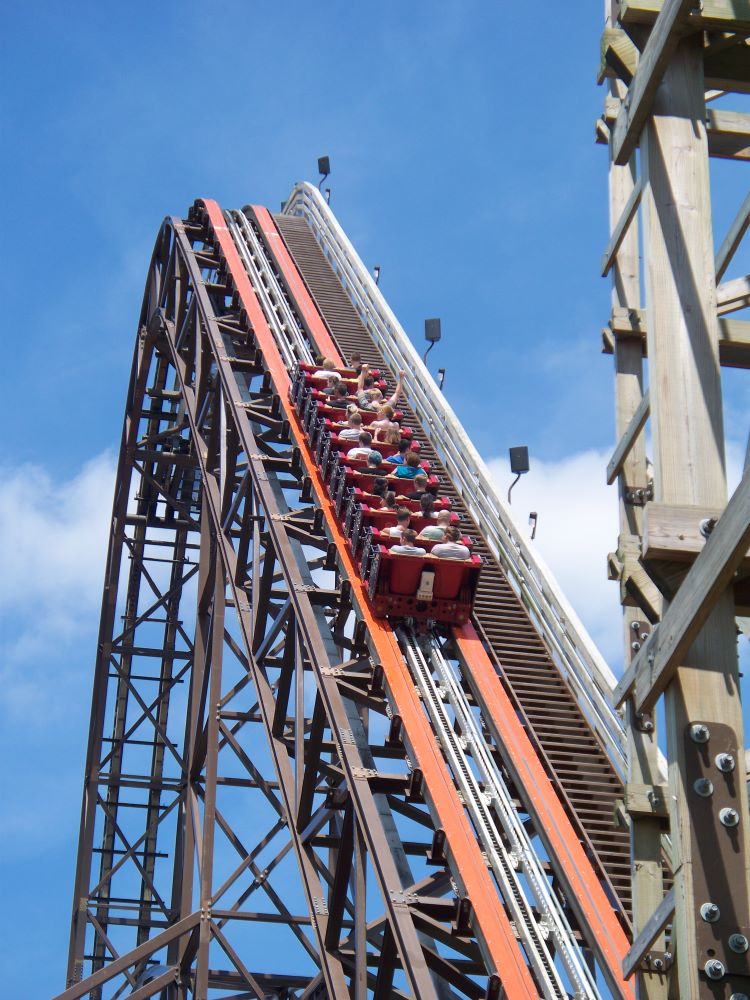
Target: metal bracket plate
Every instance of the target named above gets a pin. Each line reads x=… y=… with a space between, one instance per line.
x=722 y=880
x=364 y=773
x=401 y=898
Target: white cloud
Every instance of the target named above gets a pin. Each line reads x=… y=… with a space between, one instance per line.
x=53 y=540
x=53 y=535
x=577 y=527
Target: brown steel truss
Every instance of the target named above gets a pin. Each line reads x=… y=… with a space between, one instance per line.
x=252 y=824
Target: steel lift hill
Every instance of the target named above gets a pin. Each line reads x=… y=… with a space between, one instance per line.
x=433 y=814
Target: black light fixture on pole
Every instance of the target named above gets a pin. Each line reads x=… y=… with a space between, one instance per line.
x=324 y=169
x=431 y=335
x=519 y=463
x=376 y=273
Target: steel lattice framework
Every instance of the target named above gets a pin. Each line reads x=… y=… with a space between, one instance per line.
x=220 y=482
x=276 y=803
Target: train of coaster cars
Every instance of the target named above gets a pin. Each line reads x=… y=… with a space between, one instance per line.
x=423 y=588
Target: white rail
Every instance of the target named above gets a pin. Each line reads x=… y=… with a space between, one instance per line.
x=581 y=663
x=289 y=334
x=517 y=868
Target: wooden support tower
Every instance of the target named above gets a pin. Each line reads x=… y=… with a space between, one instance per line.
x=682 y=582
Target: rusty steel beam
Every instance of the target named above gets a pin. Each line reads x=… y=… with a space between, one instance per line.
x=245 y=633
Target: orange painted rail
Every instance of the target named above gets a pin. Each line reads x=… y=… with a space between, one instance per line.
x=297 y=288
x=583 y=887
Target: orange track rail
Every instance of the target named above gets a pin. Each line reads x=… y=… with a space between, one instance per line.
x=297 y=288
x=491 y=921
x=555 y=829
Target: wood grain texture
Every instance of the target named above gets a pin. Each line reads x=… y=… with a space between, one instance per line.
x=721 y=15
x=672 y=531
x=688 y=451
x=643 y=766
x=628 y=439
x=708 y=578
x=654 y=60
x=732 y=240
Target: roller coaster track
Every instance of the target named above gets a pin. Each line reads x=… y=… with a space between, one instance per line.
x=330 y=808
x=569 y=723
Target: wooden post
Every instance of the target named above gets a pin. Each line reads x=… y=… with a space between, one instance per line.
x=645 y=831
x=688 y=441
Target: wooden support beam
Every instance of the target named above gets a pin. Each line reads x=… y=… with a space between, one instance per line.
x=734 y=335
x=672 y=533
x=699 y=644
x=642 y=757
x=707 y=579
x=725 y=60
x=651 y=929
x=728 y=68
x=742 y=605
x=601 y=132
x=621 y=228
x=719 y=15
x=733 y=239
x=628 y=439
x=628 y=323
x=728 y=131
x=636 y=586
x=729 y=134
x=646 y=800
x=619 y=56
x=655 y=58
x=676 y=136
x=733 y=295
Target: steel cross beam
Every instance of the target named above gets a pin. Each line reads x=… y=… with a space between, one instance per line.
x=265 y=689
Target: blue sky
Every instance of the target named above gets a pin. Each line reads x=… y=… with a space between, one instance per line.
x=461 y=141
